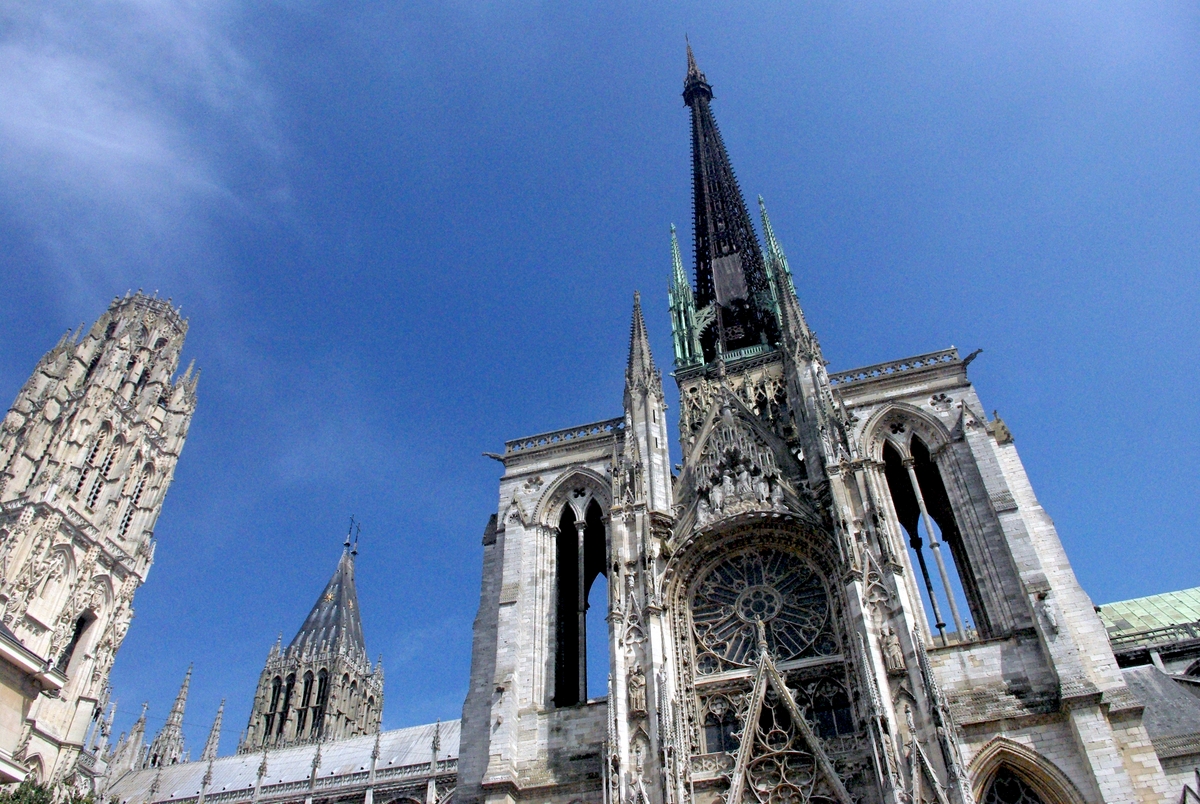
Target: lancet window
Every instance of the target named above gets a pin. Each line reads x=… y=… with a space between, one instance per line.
x=89 y=463
x=135 y=499
x=288 y=687
x=269 y=719
x=1009 y=788
x=581 y=552
x=322 y=699
x=82 y=624
x=925 y=513
x=102 y=474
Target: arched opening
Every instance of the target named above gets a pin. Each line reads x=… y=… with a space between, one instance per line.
x=288 y=687
x=269 y=719
x=720 y=728
x=582 y=555
x=66 y=659
x=318 y=720
x=306 y=693
x=923 y=509
x=1009 y=788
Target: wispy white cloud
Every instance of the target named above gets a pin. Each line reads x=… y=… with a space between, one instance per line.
x=121 y=123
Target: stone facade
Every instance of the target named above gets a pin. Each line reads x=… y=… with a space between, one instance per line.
x=87 y=452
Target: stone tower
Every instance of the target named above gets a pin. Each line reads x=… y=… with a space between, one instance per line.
x=322 y=686
x=88 y=451
x=847 y=592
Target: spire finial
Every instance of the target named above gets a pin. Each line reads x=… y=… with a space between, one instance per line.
x=357 y=531
x=640 y=370
x=214 y=736
x=349 y=531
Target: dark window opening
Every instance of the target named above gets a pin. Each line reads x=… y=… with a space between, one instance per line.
x=81 y=626
x=833 y=716
x=287 y=702
x=322 y=697
x=1009 y=788
x=923 y=508
x=720 y=733
x=582 y=555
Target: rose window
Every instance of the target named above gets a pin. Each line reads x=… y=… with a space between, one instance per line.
x=774 y=587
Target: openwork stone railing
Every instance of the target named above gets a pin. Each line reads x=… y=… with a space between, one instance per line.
x=1154 y=636
x=594 y=430
x=895 y=367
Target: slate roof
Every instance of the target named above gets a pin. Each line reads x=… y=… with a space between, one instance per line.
x=334 y=618
x=397 y=749
x=1127 y=617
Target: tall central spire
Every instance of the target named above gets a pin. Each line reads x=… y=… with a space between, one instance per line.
x=731 y=278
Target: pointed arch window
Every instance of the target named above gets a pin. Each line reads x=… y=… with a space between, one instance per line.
x=1009 y=788
x=924 y=511
x=269 y=719
x=322 y=699
x=582 y=556
x=302 y=711
x=135 y=499
x=82 y=625
x=102 y=475
x=288 y=687
x=89 y=463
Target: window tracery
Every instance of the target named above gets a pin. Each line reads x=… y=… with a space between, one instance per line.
x=778 y=588
x=1009 y=788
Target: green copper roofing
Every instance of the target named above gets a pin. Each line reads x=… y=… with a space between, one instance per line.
x=776 y=259
x=1126 y=617
x=683 y=311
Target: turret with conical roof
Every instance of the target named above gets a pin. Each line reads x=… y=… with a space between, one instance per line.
x=322 y=685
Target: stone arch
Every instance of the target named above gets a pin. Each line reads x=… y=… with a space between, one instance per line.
x=37 y=768
x=1050 y=783
x=882 y=427
x=563 y=492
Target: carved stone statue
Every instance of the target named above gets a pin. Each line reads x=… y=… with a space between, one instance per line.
x=637 y=692
x=893 y=655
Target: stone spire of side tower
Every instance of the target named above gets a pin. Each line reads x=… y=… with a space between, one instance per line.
x=322 y=686
x=87 y=452
x=647 y=458
x=167 y=747
x=214 y=736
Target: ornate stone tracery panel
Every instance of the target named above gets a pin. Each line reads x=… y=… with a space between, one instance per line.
x=779 y=588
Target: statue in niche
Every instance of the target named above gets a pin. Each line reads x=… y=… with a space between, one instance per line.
x=745 y=486
x=777 y=497
x=637 y=692
x=893 y=655
x=728 y=489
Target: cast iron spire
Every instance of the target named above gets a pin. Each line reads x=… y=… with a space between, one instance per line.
x=334 y=618
x=730 y=273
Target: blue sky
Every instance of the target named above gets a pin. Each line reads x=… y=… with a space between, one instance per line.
x=405 y=232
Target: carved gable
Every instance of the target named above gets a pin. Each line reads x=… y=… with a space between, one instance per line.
x=739 y=467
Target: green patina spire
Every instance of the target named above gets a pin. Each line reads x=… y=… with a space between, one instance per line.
x=683 y=311
x=776 y=260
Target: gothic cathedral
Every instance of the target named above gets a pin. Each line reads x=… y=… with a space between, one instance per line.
x=846 y=592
